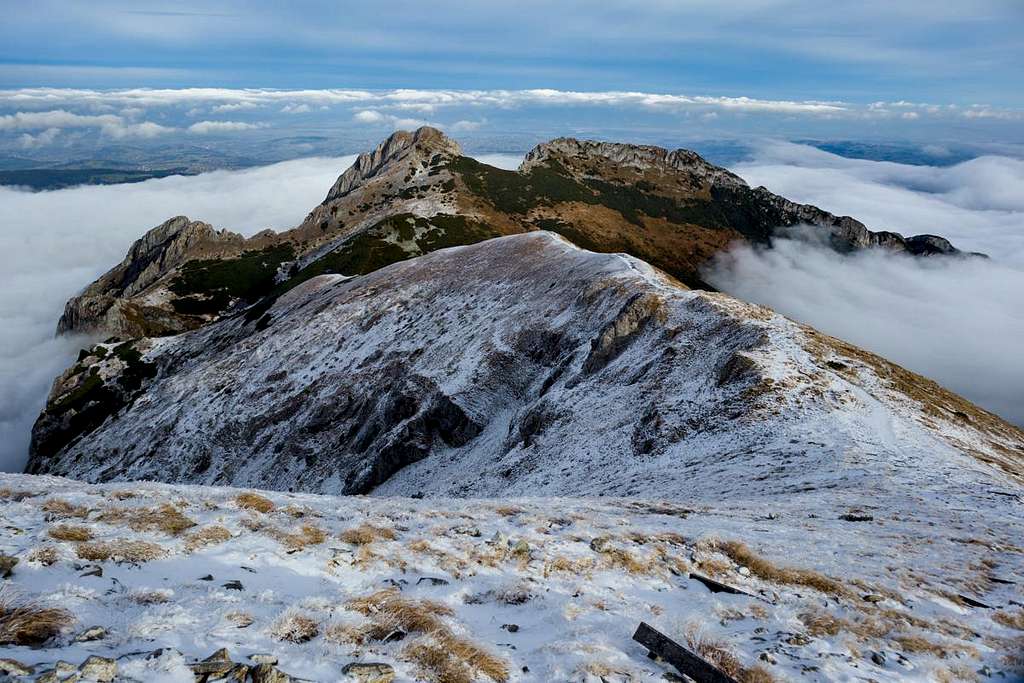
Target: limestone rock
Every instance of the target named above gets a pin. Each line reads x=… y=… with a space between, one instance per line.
x=90 y=634
x=369 y=672
x=99 y=669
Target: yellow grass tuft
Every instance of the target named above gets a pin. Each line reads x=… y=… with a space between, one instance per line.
x=308 y=534
x=25 y=622
x=364 y=534
x=254 y=501
x=166 y=519
x=719 y=654
x=448 y=658
x=764 y=569
x=1013 y=620
x=294 y=627
x=135 y=552
x=46 y=555
x=68 y=532
x=390 y=612
x=61 y=509
x=208 y=535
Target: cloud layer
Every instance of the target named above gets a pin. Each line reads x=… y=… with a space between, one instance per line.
x=54 y=243
x=958 y=322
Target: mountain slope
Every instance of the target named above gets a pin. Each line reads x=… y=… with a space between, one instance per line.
x=518 y=365
x=416 y=193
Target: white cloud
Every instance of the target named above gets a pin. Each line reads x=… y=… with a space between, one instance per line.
x=109 y=124
x=958 y=322
x=206 y=127
x=295 y=109
x=465 y=125
x=368 y=116
x=55 y=243
x=29 y=141
x=427 y=101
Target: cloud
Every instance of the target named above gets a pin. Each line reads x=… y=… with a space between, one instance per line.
x=206 y=127
x=368 y=116
x=465 y=125
x=372 y=117
x=296 y=109
x=109 y=124
x=55 y=243
x=29 y=141
x=958 y=322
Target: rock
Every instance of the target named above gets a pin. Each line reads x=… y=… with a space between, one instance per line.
x=208 y=577
x=98 y=669
x=96 y=570
x=65 y=668
x=798 y=639
x=12 y=667
x=233 y=585
x=767 y=657
x=432 y=580
x=237 y=674
x=90 y=634
x=162 y=651
x=266 y=673
x=878 y=658
x=7 y=563
x=856 y=517
x=48 y=676
x=216 y=665
x=498 y=539
x=521 y=548
x=598 y=544
x=511 y=628
x=873 y=598
x=744 y=571
x=369 y=672
x=261 y=658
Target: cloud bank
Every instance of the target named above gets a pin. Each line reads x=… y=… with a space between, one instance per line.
x=959 y=322
x=54 y=243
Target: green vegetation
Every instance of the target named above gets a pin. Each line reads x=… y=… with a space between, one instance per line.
x=248 y=276
x=57 y=178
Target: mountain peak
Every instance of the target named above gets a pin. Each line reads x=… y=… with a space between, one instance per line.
x=402 y=147
x=580 y=155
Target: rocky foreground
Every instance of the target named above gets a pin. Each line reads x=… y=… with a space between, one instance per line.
x=153 y=582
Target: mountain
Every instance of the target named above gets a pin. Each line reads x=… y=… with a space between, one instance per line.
x=517 y=365
x=416 y=192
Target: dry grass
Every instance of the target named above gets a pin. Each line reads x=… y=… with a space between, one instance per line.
x=390 y=612
x=767 y=571
x=254 y=501
x=61 y=509
x=447 y=658
x=208 y=535
x=166 y=519
x=24 y=622
x=135 y=552
x=150 y=597
x=563 y=564
x=16 y=496
x=46 y=555
x=240 y=619
x=1013 y=620
x=364 y=534
x=68 y=532
x=719 y=654
x=121 y=495
x=916 y=644
x=294 y=627
x=308 y=534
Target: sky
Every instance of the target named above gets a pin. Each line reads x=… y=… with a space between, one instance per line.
x=227 y=74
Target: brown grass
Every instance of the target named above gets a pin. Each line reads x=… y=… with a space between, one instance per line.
x=25 y=622
x=135 y=552
x=917 y=644
x=447 y=658
x=719 y=654
x=16 y=496
x=68 y=532
x=254 y=501
x=166 y=518
x=764 y=569
x=308 y=534
x=61 y=509
x=1013 y=620
x=364 y=534
x=390 y=612
x=121 y=495
x=296 y=628
x=240 y=619
x=46 y=555
x=208 y=535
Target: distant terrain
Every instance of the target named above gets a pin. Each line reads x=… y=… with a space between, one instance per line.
x=59 y=178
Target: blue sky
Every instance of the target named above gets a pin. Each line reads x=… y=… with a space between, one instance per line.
x=652 y=70
x=955 y=51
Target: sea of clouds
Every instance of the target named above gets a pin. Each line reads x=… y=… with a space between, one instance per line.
x=959 y=322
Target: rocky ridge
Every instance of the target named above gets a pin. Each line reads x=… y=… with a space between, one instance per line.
x=416 y=193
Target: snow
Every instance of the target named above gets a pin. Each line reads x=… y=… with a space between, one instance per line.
x=582 y=607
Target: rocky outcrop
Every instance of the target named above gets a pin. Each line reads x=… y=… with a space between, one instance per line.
x=112 y=305
x=415 y=193
x=520 y=365
x=401 y=148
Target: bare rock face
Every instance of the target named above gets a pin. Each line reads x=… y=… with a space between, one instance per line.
x=521 y=365
x=107 y=304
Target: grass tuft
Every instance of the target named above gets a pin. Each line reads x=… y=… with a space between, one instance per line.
x=294 y=627
x=67 y=532
x=254 y=501
x=764 y=569
x=134 y=552
x=25 y=622
x=364 y=534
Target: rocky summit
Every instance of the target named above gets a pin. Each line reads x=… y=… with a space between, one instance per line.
x=416 y=192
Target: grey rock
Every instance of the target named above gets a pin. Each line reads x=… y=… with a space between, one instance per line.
x=90 y=634
x=266 y=673
x=369 y=672
x=261 y=658
x=7 y=563
x=12 y=667
x=878 y=658
x=98 y=669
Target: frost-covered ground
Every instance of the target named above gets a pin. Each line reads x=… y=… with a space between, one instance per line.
x=528 y=589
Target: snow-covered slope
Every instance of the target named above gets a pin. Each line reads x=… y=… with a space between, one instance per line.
x=521 y=365
x=538 y=590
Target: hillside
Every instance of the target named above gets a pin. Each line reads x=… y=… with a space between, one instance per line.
x=144 y=580
x=416 y=192
x=510 y=367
